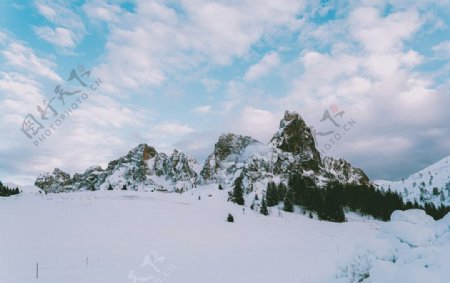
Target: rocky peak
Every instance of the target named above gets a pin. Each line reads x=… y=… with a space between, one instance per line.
x=294 y=136
x=226 y=151
x=231 y=144
x=142 y=152
x=56 y=181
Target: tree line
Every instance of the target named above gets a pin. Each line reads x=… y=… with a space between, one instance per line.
x=6 y=191
x=330 y=201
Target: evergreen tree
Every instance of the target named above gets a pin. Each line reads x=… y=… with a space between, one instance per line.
x=230 y=218
x=237 y=195
x=124 y=188
x=282 y=191
x=288 y=205
x=271 y=194
x=110 y=188
x=6 y=191
x=264 y=210
x=436 y=191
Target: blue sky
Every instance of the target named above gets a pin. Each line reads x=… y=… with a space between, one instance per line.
x=177 y=74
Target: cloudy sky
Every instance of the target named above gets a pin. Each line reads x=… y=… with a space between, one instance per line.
x=177 y=74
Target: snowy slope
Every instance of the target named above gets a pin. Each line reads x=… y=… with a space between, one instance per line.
x=431 y=184
x=189 y=239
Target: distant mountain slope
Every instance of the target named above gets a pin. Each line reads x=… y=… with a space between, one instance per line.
x=431 y=184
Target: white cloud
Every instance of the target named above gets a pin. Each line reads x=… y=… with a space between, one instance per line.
x=60 y=13
x=171 y=129
x=69 y=29
x=101 y=10
x=263 y=67
x=382 y=34
x=22 y=58
x=442 y=50
x=162 y=42
x=61 y=37
x=210 y=84
x=257 y=123
x=205 y=109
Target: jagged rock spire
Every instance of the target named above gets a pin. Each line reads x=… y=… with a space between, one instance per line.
x=295 y=136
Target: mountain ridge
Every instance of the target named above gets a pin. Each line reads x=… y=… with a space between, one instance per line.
x=291 y=149
x=431 y=184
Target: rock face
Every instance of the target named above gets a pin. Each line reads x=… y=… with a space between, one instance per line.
x=142 y=167
x=295 y=137
x=292 y=149
x=344 y=172
x=58 y=181
x=228 y=156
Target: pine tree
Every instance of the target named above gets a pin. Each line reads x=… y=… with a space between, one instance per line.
x=264 y=210
x=237 y=195
x=271 y=194
x=110 y=188
x=288 y=205
x=230 y=218
x=6 y=191
x=436 y=191
x=124 y=188
x=282 y=191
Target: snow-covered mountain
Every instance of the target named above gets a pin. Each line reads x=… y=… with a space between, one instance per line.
x=431 y=184
x=291 y=150
x=142 y=167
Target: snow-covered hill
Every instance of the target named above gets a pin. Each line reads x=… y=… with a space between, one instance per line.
x=431 y=184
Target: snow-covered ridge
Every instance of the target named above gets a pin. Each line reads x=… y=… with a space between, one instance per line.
x=431 y=184
x=142 y=168
x=292 y=149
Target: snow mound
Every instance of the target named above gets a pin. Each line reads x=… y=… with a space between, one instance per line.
x=413 y=216
x=411 y=248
